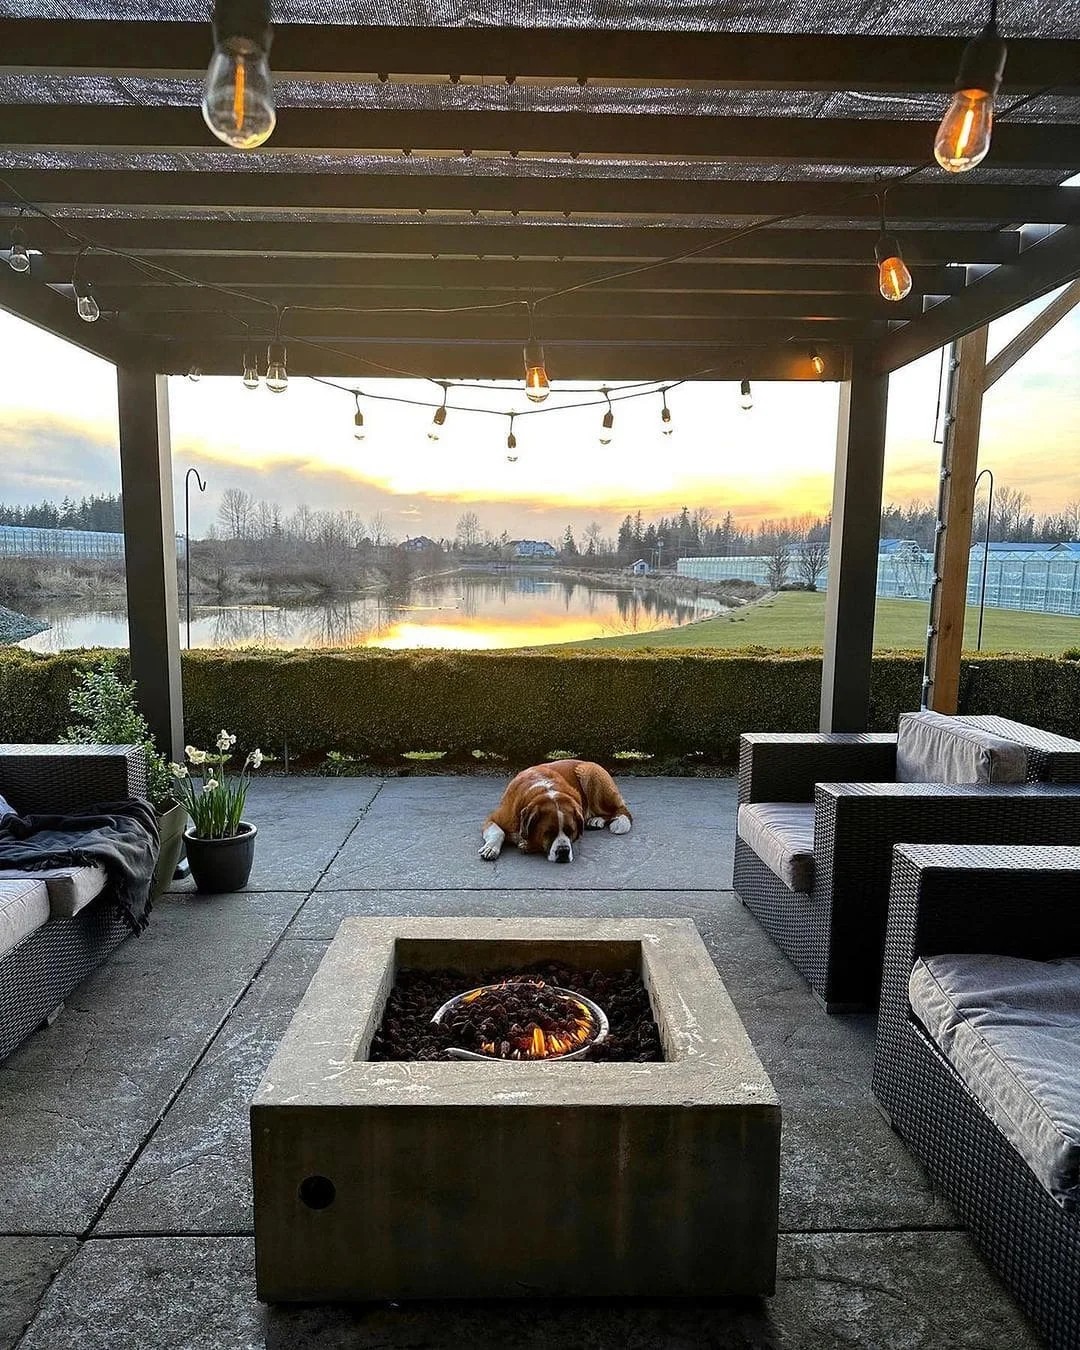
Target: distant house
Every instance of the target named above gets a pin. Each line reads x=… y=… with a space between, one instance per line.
x=533 y=548
x=420 y=544
x=641 y=568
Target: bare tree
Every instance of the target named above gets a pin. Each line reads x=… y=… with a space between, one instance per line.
x=237 y=513
x=1010 y=513
x=776 y=572
x=468 y=533
x=812 y=561
x=376 y=528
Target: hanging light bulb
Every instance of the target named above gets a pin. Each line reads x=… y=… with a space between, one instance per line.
x=86 y=304
x=359 y=430
x=194 y=374
x=665 y=415
x=439 y=420
x=511 y=442
x=18 y=258
x=251 y=371
x=238 y=100
x=963 y=138
x=894 y=279
x=817 y=361
x=607 y=426
x=277 y=372
x=746 y=397
x=537 y=384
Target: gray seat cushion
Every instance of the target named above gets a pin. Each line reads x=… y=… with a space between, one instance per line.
x=1011 y=1029
x=24 y=906
x=933 y=748
x=70 y=888
x=782 y=836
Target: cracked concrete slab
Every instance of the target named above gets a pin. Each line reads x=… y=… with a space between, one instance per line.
x=299 y=830
x=425 y=832
x=78 y=1098
x=901 y=1291
x=195 y=1173
x=27 y=1264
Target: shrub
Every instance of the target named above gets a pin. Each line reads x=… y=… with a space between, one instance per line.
x=382 y=704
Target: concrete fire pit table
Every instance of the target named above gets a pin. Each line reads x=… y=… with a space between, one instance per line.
x=443 y=1179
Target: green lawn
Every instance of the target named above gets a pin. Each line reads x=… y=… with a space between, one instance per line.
x=797 y=619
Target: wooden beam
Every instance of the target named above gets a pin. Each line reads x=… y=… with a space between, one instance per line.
x=410 y=238
x=952 y=556
x=726 y=278
x=478 y=360
x=355 y=53
x=1040 y=268
x=1033 y=333
x=317 y=194
x=851 y=589
x=26 y=297
x=104 y=128
x=150 y=553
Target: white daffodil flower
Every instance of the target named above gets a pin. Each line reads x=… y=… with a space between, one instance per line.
x=210 y=785
x=256 y=758
x=178 y=770
x=196 y=756
x=225 y=741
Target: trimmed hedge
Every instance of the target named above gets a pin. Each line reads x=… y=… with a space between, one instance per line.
x=380 y=704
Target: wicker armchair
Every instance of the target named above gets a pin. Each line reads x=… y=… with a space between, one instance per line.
x=1010 y=901
x=833 y=932
x=38 y=973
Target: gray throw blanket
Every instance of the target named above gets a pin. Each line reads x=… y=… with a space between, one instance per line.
x=121 y=837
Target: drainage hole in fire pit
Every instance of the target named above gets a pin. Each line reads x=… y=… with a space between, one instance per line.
x=317 y=1192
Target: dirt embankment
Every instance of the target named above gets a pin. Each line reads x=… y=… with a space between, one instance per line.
x=732 y=592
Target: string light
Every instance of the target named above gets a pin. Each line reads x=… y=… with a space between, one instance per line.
x=18 y=258
x=439 y=420
x=238 y=101
x=746 y=396
x=277 y=371
x=86 y=304
x=817 y=361
x=894 y=279
x=251 y=371
x=665 y=414
x=358 y=422
x=511 y=441
x=607 y=426
x=537 y=384
x=963 y=137
x=194 y=374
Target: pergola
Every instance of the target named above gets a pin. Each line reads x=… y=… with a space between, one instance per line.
x=435 y=168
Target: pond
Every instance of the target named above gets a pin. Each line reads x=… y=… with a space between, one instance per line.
x=465 y=610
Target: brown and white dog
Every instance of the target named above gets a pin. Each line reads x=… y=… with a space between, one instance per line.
x=546 y=808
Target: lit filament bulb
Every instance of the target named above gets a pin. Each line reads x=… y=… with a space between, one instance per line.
x=894 y=279
x=963 y=138
x=817 y=361
x=238 y=100
x=537 y=384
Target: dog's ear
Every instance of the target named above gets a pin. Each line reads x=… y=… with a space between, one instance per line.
x=525 y=821
x=579 y=820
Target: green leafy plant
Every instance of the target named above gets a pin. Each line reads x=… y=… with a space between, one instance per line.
x=103 y=706
x=213 y=797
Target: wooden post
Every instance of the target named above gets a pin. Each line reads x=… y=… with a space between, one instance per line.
x=150 y=552
x=851 y=590
x=956 y=504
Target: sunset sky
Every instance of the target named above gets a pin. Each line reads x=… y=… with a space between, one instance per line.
x=58 y=436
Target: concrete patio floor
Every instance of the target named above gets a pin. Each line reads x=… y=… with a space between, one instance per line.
x=125 y=1199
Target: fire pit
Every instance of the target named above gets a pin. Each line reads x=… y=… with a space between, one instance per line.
x=522 y=1018
x=393 y=1127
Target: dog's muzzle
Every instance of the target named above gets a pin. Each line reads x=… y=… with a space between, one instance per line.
x=562 y=852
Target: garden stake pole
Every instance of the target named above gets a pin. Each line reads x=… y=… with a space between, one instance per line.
x=187 y=543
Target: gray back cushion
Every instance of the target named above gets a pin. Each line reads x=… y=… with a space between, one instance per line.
x=933 y=748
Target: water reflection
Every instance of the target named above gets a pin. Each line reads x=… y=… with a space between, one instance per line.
x=464 y=611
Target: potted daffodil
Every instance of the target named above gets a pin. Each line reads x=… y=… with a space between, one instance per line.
x=220 y=843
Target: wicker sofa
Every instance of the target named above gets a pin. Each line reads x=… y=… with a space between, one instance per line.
x=834 y=804
x=1013 y=902
x=46 y=952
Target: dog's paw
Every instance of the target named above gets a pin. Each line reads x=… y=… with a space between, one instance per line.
x=489 y=852
x=595 y=823
x=620 y=825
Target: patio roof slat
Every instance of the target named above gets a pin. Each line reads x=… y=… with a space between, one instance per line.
x=605 y=55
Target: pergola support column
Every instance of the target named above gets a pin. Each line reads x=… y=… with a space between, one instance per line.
x=853 y=549
x=952 y=547
x=150 y=552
